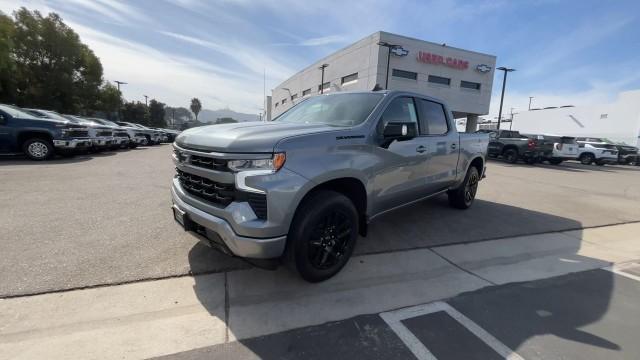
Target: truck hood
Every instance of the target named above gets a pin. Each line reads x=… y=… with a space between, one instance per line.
x=248 y=137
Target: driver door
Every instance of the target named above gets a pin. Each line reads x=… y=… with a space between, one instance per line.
x=399 y=177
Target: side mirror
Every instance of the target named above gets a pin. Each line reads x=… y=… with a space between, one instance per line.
x=400 y=131
x=493 y=135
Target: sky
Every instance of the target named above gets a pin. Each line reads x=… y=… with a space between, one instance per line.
x=564 y=52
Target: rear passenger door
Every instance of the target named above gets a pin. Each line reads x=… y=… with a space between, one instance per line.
x=442 y=144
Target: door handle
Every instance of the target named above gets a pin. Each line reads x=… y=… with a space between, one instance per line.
x=453 y=146
x=421 y=149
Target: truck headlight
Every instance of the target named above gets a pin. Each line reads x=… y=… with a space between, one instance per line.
x=274 y=164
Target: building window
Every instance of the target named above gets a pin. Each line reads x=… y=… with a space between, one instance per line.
x=405 y=74
x=284 y=101
x=306 y=92
x=349 y=79
x=294 y=96
x=324 y=86
x=469 y=85
x=439 y=80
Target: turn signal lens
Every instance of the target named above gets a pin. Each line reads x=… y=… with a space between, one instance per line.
x=278 y=160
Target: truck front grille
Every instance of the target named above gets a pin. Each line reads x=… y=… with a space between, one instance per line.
x=77 y=133
x=121 y=134
x=139 y=134
x=104 y=133
x=209 y=163
x=221 y=193
x=217 y=193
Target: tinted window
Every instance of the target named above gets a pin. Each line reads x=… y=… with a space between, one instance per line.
x=349 y=78
x=405 y=74
x=469 y=85
x=400 y=110
x=306 y=92
x=439 y=80
x=433 y=120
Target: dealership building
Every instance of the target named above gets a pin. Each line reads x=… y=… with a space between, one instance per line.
x=461 y=78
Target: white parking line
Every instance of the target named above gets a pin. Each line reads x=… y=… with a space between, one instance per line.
x=394 y=320
x=618 y=269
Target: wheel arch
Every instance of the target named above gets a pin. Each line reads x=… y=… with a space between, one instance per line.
x=351 y=187
x=30 y=134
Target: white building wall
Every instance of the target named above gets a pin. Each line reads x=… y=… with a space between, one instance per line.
x=369 y=60
x=617 y=121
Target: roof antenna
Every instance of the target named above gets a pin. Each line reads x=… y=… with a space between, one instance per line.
x=377 y=88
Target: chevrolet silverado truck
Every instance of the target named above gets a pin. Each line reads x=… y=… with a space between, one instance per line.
x=513 y=146
x=302 y=188
x=40 y=138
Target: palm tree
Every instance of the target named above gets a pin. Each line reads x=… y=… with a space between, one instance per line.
x=196 y=106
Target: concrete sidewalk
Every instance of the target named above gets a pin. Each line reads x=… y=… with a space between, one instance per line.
x=162 y=317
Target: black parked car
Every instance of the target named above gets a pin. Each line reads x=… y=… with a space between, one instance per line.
x=513 y=146
x=39 y=138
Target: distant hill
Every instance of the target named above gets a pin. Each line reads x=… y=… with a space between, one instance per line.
x=210 y=116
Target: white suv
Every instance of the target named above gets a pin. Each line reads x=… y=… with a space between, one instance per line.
x=596 y=150
x=564 y=148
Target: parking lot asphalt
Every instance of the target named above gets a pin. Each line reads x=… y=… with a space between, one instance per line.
x=586 y=315
x=105 y=218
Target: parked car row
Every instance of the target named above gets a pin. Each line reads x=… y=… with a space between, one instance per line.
x=532 y=148
x=41 y=134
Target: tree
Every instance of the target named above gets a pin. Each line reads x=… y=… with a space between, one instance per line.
x=7 y=63
x=156 y=114
x=177 y=116
x=109 y=100
x=196 y=106
x=226 y=120
x=54 y=70
x=136 y=112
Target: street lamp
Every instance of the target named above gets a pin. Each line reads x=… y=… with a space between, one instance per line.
x=146 y=103
x=504 y=82
x=119 y=107
x=322 y=67
x=530 y=97
x=120 y=83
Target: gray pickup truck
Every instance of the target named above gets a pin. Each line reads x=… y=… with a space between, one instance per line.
x=300 y=189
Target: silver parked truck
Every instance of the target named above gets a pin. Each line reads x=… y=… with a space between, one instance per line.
x=300 y=190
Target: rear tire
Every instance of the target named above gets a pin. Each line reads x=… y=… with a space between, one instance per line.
x=322 y=237
x=465 y=194
x=586 y=159
x=38 y=149
x=511 y=156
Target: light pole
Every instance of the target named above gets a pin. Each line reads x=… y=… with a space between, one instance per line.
x=389 y=48
x=146 y=103
x=322 y=67
x=530 y=97
x=119 y=107
x=504 y=82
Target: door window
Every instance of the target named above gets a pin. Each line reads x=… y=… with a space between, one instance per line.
x=400 y=110
x=433 y=120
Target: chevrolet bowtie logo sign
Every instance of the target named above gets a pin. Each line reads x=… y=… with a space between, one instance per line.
x=399 y=51
x=483 y=68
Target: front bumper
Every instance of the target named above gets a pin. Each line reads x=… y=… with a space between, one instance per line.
x=139 y=139
x=218 y=233
x=122 y=140
x=73 y=143
x=103 y=141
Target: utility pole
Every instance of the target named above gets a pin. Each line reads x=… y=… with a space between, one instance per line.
x=504 y=83
x=511 y=123
x=120 y=83
x=146 y=103
x=119 y=107
x=322 y=67
x=530 y=97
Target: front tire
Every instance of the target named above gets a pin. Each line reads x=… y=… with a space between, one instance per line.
x=465 y=194
x=323 y=235
x=38 y=149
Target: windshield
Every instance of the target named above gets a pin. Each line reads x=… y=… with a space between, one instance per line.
x=54 y=115
x=334 y=110
x=17 y=112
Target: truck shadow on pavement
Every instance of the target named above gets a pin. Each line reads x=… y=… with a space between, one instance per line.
x=259 y=302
